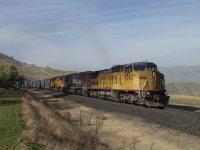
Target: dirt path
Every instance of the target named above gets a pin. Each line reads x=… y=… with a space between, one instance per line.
x=122 y=133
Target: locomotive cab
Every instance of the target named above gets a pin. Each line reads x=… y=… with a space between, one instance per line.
x=149 y=76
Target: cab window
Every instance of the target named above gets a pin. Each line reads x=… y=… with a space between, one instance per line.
x=144 y=67
x=128 y=69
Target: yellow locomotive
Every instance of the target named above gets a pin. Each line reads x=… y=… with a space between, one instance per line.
x=57 y=83
x=140 y=83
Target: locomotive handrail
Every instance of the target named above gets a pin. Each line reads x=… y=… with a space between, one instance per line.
x=163 y=82
x=141 y=91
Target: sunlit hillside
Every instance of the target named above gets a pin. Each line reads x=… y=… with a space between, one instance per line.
x=31 y=71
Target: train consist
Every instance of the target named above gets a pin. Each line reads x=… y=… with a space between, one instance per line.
x=137 y=83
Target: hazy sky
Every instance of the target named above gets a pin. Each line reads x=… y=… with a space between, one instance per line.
x=95 y=34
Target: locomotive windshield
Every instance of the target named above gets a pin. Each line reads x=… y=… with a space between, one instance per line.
x=139 y=66
x=144 y=66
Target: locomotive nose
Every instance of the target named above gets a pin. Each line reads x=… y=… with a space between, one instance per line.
x=158 y=79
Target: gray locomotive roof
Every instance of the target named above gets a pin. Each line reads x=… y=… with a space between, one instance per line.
x=101 y=71
x=136 y=63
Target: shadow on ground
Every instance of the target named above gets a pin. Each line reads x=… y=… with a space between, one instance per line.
x=180 y=107
x=55 y=94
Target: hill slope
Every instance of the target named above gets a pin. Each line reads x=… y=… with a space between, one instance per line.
x=182 y=74
x=191 y=89
x=31 y=72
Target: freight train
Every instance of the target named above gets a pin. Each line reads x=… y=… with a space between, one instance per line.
x=138 y=83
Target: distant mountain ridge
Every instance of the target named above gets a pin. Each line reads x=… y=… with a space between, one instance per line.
x=183 y=88
x=189 y=74
x=182 y=80
x=31 y=72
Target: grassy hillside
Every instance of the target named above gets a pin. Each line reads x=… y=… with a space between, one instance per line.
x=191 y=89
x=31 y=72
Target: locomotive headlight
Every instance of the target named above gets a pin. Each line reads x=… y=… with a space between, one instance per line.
x=154 y=74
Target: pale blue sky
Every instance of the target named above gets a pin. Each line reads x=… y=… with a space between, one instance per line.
x=95 y=34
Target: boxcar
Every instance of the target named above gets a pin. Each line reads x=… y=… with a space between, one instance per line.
x=47 y=83
x=38 y=83
x=42 y=84
x=34 y=84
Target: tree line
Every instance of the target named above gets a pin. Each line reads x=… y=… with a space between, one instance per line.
x=9 y=76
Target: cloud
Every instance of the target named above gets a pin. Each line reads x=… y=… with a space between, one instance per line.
x=76 y=35
x=9 y=36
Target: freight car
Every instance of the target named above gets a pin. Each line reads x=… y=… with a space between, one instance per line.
x=28 y=84
x=34 y=84
x=38 y=83
x=138 y=83
x=47 y=83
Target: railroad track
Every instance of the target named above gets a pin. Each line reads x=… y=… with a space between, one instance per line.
x=181 y=118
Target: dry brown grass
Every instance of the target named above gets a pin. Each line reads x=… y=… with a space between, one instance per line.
x=54 y=131
x=185 y=100
x=186 y=97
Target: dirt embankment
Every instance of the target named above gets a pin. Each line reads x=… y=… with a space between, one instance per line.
x=56 y=130
x=63 y=120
